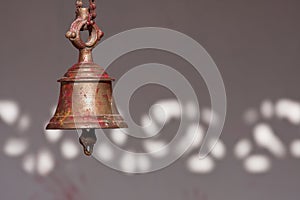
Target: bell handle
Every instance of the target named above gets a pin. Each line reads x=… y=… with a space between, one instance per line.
x=81 y=24
x=75 y=37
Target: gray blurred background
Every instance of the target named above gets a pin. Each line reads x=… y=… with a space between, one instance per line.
x=255 y=45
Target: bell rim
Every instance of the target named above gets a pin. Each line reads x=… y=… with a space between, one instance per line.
x=72 y=126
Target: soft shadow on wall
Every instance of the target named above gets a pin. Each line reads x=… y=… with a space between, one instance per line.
x=263 y=137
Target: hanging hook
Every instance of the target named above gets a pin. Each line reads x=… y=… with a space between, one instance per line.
x=84 y=21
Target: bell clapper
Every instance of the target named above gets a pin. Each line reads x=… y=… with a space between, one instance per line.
x=88 y=140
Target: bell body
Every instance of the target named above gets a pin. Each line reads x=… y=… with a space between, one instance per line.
x=86 y=100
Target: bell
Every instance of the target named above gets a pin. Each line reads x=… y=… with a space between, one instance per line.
x=85 y=100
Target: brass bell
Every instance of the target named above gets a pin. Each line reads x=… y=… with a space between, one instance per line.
x=85 y=100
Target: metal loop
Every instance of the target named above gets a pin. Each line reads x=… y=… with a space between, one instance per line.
x=75 y=37
x=84 y=21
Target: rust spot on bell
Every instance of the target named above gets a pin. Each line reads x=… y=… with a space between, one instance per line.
x=85 y=100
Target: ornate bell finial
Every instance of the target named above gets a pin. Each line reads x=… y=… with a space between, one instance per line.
x=86 y=100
